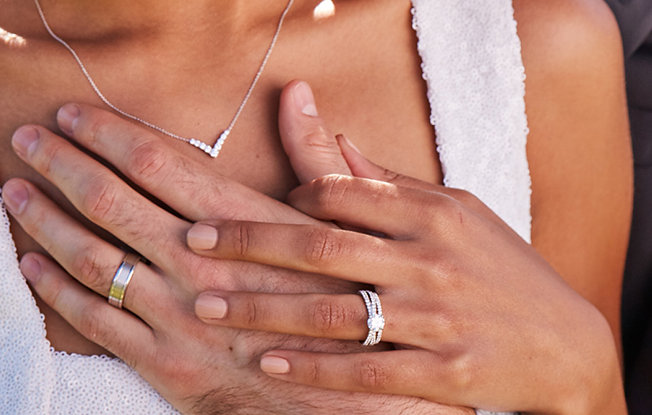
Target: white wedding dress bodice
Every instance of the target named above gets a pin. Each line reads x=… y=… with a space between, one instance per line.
x=473 y=67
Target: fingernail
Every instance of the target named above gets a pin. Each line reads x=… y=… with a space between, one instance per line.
x=202 y=237
x=24 y=140
x=66 y=117
x=305 y=100
x=15 y=196
x=209 y=306
x=31 y=269
x=348 y=142
x=274 y=365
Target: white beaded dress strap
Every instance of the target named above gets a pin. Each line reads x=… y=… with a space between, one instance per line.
x=473 y=67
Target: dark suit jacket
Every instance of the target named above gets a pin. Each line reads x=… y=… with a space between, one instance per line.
x=635 y=20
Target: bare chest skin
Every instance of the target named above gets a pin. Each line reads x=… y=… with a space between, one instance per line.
x=362 y=64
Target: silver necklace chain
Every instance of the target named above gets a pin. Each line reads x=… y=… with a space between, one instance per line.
x=213 y=150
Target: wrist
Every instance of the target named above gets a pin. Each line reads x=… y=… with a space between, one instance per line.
x=597 y=387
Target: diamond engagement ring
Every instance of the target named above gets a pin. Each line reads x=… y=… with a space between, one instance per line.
x=376 y=321
x=121 y=279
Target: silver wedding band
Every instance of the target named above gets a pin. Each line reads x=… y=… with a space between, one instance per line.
x=375 y=320
x=121 y=279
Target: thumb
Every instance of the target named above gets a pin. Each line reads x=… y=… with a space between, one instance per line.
x=360 y=166
x=312 y=149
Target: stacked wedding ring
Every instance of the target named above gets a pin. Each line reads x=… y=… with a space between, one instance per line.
x=376 y=321
x=121 y=279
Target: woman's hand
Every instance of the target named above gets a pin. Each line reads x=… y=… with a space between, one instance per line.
x=477 y=316
x=197 y=369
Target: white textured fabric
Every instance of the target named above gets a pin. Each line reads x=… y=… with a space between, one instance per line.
x=472 y=64
x=34 y=379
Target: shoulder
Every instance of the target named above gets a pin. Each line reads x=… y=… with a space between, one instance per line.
x=573 y=61
x=575 y=95
x=575 y=33
x=590 y=15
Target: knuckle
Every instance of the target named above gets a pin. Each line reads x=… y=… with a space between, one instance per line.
x=319 y=139
x=442 y=267
x=53 y=295
x=97 y=126
x=91 y=324
x=332 y=190
x=424 y=275
x=240 y=237
x=251 y=316
x=371 y=375
x=314 y=371
x=460 y=373
x=445 y=213
x=390 y=176
x=99 y=200
x=49 y=157
x=464 y=197
x=90 y=272
x=33 y=224
x=426 y=260
x=146 y=160
x=327 y=316
x=322 y=247
x=93 y=319
x=442 y=273
x=448 y=330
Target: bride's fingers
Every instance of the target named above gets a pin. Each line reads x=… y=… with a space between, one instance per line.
x=154 y=164
x=397 y=211
x=317 y=315
x=334 y=252
x=101 y=196
x=311 y=148
x=400 y=372
x=314 y=151
x=116 y=330
x=332 y=316
x=362 y=167
x=91 y=260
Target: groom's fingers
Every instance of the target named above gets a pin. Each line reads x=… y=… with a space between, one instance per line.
x=312 y=149
x=399 y=372
x=188 y=186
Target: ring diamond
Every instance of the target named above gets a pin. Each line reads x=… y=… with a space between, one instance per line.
x=376 y=320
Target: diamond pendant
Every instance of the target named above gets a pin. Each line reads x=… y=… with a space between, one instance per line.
x=213 y=150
